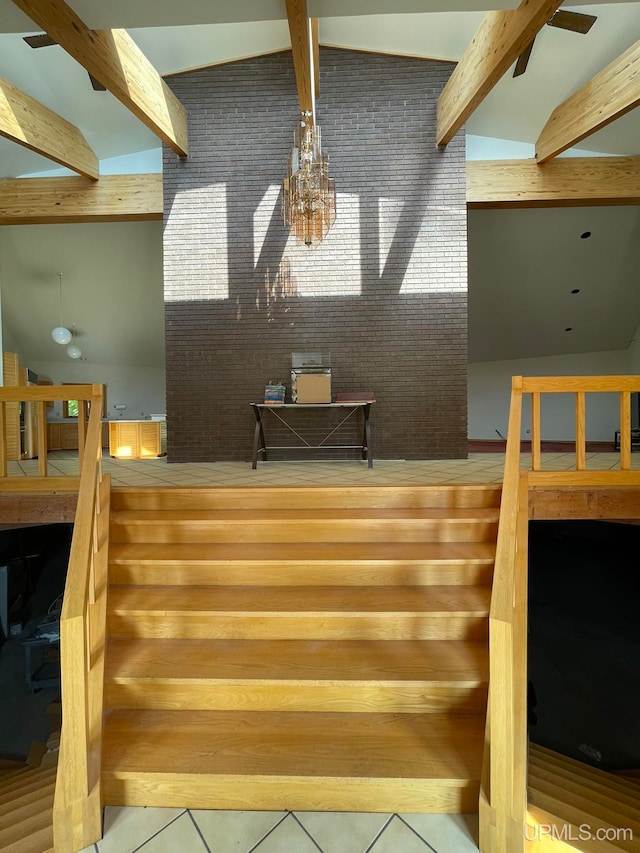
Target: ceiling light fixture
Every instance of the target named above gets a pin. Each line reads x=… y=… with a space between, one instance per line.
x=74 y=350
x=308 y=193
x=61 y=335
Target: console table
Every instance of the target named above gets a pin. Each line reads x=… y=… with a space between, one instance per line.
x=279 y=411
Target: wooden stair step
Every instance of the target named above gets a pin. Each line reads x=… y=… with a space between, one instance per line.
x=25 y=807
x=40 y=841
x=397 y=676
x=632 y=776
x=20 y=830
x=585 y=774
x=567 y=793
x=290 y=613
x=574 y=800
x=27 y=786
x=289 y=563
x=11 y=765
x=310 y=761
x=296 y=497
x=321 y=525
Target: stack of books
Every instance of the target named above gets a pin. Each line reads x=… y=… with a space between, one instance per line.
x=274 y=395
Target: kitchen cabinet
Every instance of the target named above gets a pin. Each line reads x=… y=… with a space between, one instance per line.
x=54 y=438
x=137 y=439
x=11 y=373
x=63 y=435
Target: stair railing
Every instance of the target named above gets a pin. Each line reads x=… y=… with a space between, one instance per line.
x=35 y=399
x=503 y=786
x=77 y=813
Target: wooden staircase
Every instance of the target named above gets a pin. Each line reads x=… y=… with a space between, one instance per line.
x=298 y=648
x=575 y=802
x=26 y=803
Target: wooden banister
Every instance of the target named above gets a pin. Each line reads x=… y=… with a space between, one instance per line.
x=587 y=384
x=77 y=817
x=503 y=790
x=507 y=651
x=38 y=397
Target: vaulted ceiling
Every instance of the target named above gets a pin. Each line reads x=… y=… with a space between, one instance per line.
x=533 y=261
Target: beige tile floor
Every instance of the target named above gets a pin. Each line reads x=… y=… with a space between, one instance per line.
x=478 y=468
x=154 y=830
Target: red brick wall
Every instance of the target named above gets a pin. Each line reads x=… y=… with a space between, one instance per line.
x=385 y=293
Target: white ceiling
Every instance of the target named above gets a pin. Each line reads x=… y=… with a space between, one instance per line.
x=532 y=267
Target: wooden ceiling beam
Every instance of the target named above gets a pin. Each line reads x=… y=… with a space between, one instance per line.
x=29 y=123
x=567 y=182
x=613 y=92
x=113 y=58
x=315 y=49
x=498 y=42
x=301 y=48
x=48 y=201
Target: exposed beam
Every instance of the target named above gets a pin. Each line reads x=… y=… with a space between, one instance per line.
x=613 y=92
x=28 y=122
x=113 y=58
x=315 y=48
x=498 y=42
x=567 y=182
x=300 y=31
x=114 y=198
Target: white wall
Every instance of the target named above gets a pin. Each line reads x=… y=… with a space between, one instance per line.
x=490 y=392
x=633 y=354
x=142 y=389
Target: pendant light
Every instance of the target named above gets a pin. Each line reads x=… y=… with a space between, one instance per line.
x=74 y=350
x=61 y=335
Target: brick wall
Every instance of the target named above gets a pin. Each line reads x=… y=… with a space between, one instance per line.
x=386 y=291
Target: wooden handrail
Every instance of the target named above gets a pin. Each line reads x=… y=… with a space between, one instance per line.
x=38 y=397
x=503 y=792
x=507 y=651
x=77 y=816
x=588 y=384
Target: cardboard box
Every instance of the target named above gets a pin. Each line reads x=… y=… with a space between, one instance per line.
x=313 y=388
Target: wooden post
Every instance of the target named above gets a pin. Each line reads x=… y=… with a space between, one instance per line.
x=41 y=416
x=581 y=443
x=82 y=430
x=3 y=439
x=625 y=430
x=535 y=431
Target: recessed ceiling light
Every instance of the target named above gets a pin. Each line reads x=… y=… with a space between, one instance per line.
x=585 y=235
x=569 y=329
x=576 y=290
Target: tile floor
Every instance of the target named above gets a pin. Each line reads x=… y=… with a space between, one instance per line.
x=152 y=830
x=155 y=830
x=478 y=468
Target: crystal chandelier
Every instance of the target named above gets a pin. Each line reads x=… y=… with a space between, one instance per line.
x=308 y=193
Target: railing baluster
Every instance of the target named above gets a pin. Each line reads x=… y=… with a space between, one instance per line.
x=3 y=440
x=625 y=430
x=82 y=429
x=535 y=431
x=41 y=423
x=581 y=459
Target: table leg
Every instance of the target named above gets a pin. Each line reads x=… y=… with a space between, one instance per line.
x=259 y=444
x=366 y=438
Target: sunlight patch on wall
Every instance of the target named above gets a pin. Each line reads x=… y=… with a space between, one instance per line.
x=389 y=211
x=435 y=261
x=204 y=261
x=268 y=208
x=323 y=270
